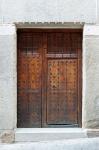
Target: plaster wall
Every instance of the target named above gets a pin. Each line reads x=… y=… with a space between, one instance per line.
x=91 y=76
x=15 y=11
x=8 y=80
x=8 y=85
x=74 y=14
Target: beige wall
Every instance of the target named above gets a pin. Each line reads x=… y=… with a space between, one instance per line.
x=8 y=96
x=90 y=76
x=8 y=79
x=15 y=11
x=77 y=14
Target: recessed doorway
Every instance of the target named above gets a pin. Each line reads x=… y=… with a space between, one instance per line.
x=49 y=78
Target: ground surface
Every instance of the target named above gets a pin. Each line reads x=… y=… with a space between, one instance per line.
x=78 y=144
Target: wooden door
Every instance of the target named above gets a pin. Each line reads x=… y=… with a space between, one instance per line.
x=49 y=78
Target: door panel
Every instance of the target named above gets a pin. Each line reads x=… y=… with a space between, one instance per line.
x=62 y=59
x=62 y=91
x=29 y=80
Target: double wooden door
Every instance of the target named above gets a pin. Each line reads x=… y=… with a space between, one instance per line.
x=49 y=78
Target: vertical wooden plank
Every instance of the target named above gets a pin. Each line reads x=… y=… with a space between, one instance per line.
x=79 y=50
x=22 y=87
x=34 y=87
x=72 y=90
x=44 y=77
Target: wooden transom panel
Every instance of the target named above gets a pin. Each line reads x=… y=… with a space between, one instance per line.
x=49 y=78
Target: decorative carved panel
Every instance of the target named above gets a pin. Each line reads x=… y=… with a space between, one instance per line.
x=62 y=91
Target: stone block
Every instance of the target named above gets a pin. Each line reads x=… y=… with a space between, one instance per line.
x=7 y=136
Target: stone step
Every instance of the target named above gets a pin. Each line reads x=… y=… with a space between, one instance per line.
x=48 y=134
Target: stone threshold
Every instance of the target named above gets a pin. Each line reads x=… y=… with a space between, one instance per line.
x=48 y=134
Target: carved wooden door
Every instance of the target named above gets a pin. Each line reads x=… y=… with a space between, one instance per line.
x=49 y=78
